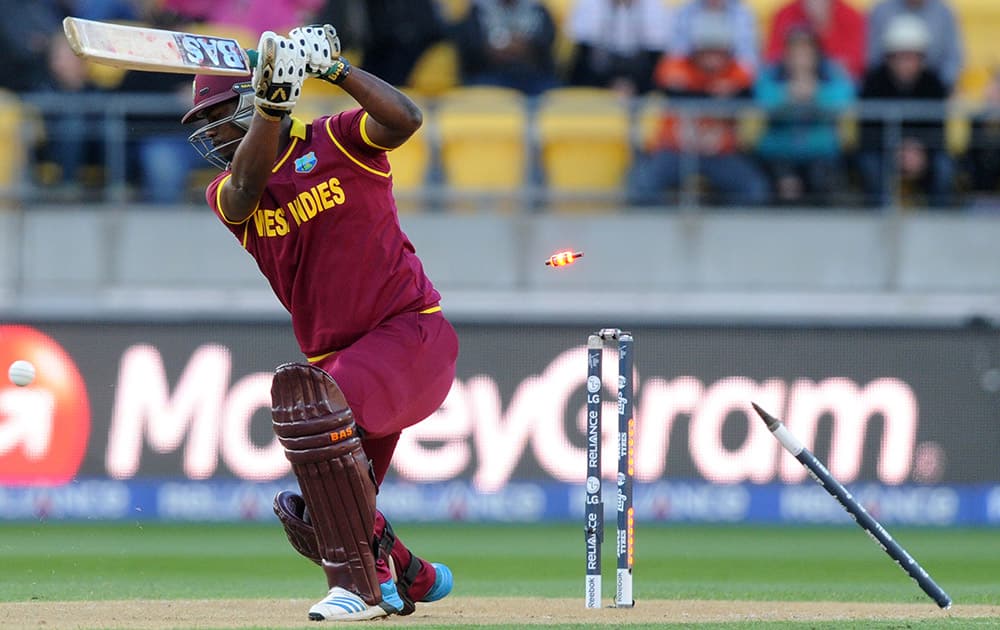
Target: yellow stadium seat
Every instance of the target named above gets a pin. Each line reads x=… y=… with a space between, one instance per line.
x=849 y=131
x=958 y=131
x=453 y=10
x=972 y=83
x=562 y=48
x=483 y=94
x=436 y=70
x=559 y=10
x=13 y=157
x=411 y=162
x=979 y=23
x=104 y=77
x=648 y=116
x=751 y=127
x=482 y=140
x=584 y=139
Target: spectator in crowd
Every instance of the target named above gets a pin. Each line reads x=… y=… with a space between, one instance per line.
x=617 y=43
x=160 y=160
x=26 y=40
x=254 y=16
x=507 y=43
x=839 y=27
x=351 y=18
x=708 y=145
x=37 y=59
x=944 y=48
x=739 y=20
x=399 y=31
x=983 y=158
x=919 y=158
x=802 y=95
x=69 y=143
x=161 y=155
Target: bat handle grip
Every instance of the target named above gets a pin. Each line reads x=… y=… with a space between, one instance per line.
x=252 y=57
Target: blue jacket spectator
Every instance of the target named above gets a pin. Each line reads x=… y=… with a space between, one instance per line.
x=944 y=48
x=803 y=95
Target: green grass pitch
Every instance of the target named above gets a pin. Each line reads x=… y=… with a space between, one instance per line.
x=95 y=561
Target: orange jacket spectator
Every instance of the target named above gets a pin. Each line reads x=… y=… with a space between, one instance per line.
x=841 y=30
x=681 y=77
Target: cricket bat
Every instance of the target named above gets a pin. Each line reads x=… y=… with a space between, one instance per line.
x=156 y=50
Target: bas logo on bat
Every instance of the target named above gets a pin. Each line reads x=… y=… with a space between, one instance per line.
x=210 y=52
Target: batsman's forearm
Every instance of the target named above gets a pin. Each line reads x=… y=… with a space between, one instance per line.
x=251 y=166
x=388 y=106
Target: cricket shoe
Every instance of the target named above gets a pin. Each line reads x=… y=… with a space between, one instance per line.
x=343 y=605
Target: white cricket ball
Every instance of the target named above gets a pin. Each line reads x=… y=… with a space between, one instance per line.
x=21 y=373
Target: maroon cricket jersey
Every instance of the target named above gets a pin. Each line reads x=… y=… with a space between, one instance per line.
x=327 y=237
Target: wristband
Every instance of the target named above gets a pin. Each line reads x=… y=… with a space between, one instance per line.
x=269 y=113
x=340 y=70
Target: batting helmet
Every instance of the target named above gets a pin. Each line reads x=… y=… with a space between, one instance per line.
x=208 y=90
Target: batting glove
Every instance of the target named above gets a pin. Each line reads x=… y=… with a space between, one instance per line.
x=278 y=76
x=322 y=46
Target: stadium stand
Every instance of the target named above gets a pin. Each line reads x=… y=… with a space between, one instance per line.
x=481 y=134
x=12 y=158
x=583 y=135
x=436 y=71
x=412 y=162
x=485 y=139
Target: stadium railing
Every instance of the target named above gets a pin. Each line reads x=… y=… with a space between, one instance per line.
x=565 y=151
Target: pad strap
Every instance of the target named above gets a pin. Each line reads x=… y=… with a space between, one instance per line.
x=405 y=579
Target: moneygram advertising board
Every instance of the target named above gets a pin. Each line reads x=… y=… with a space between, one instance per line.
x=171 y=420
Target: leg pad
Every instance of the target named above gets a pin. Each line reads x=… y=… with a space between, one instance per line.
x=311 y=418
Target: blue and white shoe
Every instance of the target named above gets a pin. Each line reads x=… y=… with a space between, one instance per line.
x=343 y=605
x=443 y=583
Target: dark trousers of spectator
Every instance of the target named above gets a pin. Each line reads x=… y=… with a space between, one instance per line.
x=937 y=181
x=735 y=177
x=69 y=144
x=822 y=177
x=166 y=163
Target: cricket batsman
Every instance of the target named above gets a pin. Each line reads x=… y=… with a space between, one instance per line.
x=312 y=203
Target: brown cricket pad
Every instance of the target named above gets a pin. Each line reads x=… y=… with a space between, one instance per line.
x=311 y=418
